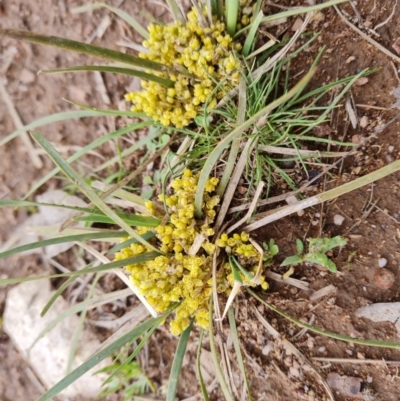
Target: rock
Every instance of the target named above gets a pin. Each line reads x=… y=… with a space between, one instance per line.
x=364 y=121
x=49 y=357
x=361 y=81
x=384 y=278
x=338 y=219
x=346 y=385
x=382 y=312
x=390 y=149
x=50 y=218
x=297 y=24
x=322 y=130
x=357 y=138
x=26 y=76
x=382 y=262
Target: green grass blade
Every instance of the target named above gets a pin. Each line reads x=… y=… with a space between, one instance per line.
x=98 y=357
x=66 y=115
x=152 y=134
x=231 y=16
x=88 y=304
x=144 y=257
x=127 y=243
x=175 y=10
x=114 y=70
x=79 y=327
x=203 y=387
x=252 y=34
x=85 y=188
x=119 y=113
x=23 y=203
x=57 y=294
x=224 y=387
x=129 y=218
x=92 y=145
x=241 y=116
x=372 y=343
x=301 y=10
x=122 y=14
x=61 y=240
x=177 y=364
x=85 y=48
x=235 y=337
x=222 y=145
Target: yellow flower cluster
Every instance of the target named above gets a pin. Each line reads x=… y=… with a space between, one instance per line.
x=181 y=275
x=204 y=51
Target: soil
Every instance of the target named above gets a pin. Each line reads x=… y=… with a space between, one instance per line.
x=274 y=373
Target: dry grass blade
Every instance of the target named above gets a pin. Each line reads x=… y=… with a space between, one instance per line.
x=252 y=207
x=325 y=196
x=366 y=37
x=37 y=162
x=295 y=152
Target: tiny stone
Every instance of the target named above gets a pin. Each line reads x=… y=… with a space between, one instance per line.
x=382 y=262
x=383 y=278
x=297 y=24
x=369 y=379
x=321 y=349
x=360 y=355
x=361 y=81
x=357 y=138
x=349 y=351
x=350 y=59
x=396 y=215
x=390 y=148
x=314 y=222
x=389 y=158
x=338 y=219
x=364 y=121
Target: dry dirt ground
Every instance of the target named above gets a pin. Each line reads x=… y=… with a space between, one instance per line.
x=274 y=375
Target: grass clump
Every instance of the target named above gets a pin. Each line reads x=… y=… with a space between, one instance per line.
x=184 y=272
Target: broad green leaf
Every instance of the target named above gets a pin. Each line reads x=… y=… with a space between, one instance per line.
x=144 y=257
x=320 y=259
x=85 y=48
x=299 y=246
x=76 y=179
x=114 y=70
x=122 y=14
x=129 y=218
x=99 y=356
x=177 y=364
x=292 y=260
x=66 y=115
x=224 y=143
x=61 y=240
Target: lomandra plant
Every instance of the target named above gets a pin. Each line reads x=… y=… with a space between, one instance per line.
x=208 y=88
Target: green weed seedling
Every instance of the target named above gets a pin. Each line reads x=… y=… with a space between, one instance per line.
x=317 y=249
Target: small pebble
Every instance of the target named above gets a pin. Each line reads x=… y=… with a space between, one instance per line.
x=382 y=262
x=390 y=148
x=350 y=59
x=396 y=215
x=338 y=219
x=369 y=379
x=384 y=278
x=364 y=121
x=389 y=158
x=357 y=138
x=361 y=81
x=321 y=349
